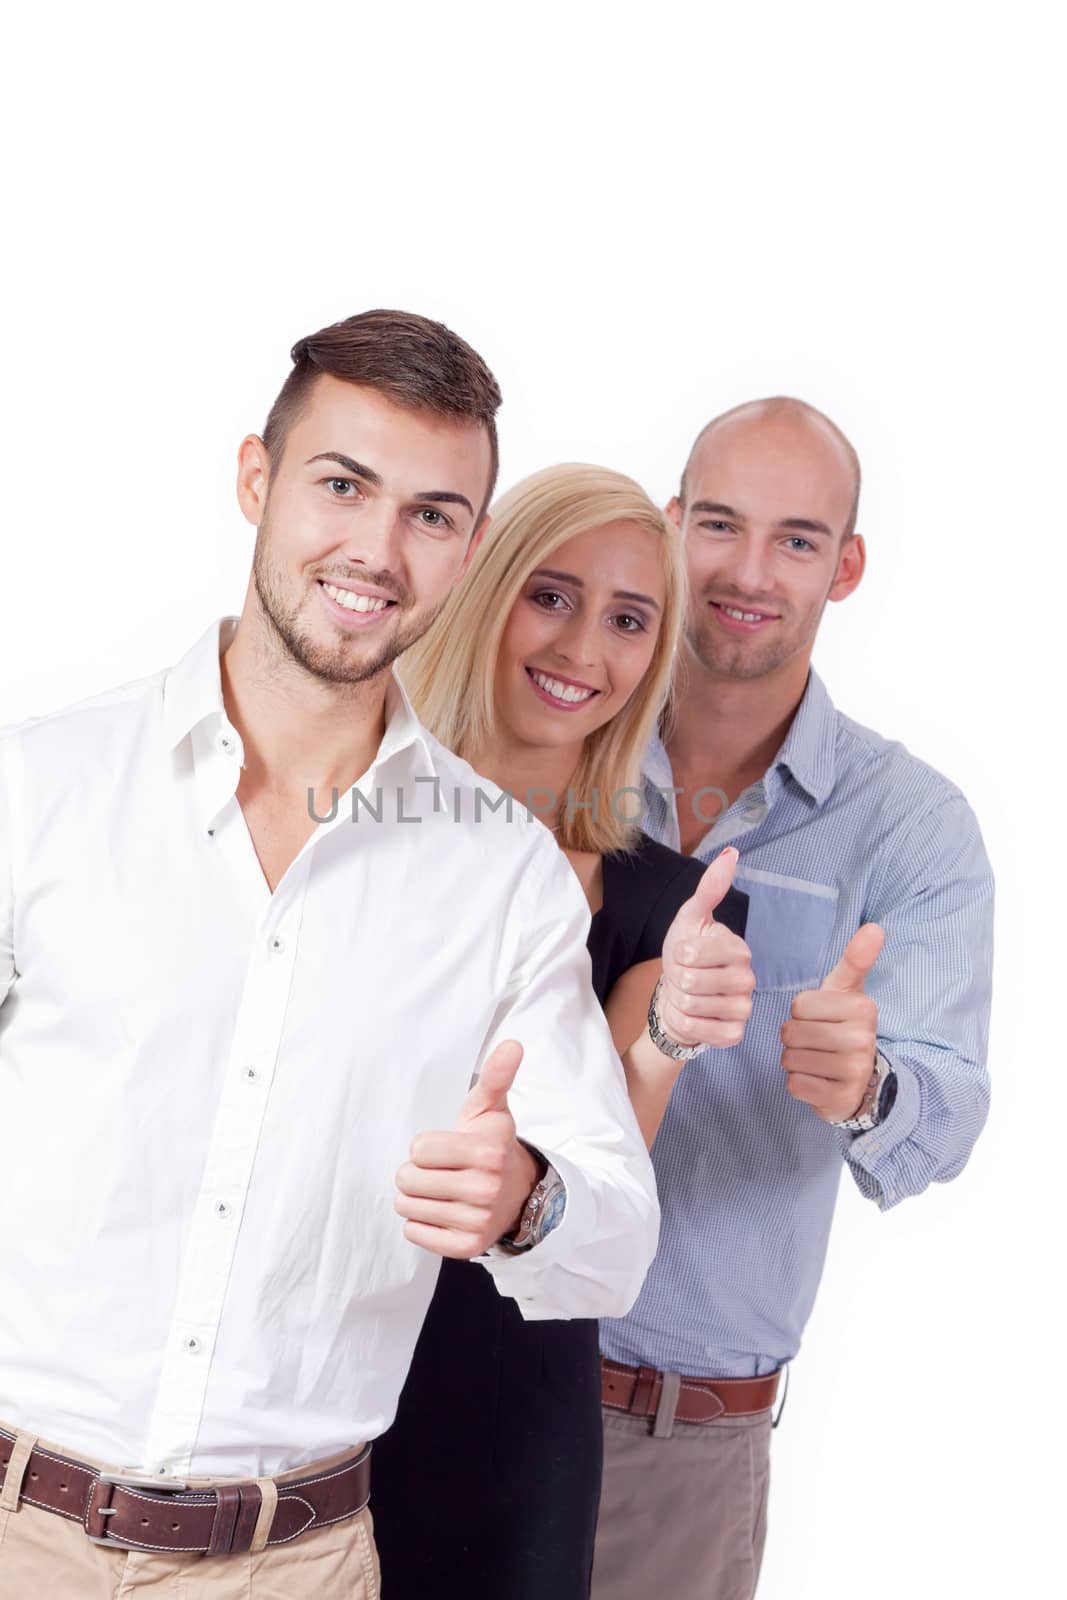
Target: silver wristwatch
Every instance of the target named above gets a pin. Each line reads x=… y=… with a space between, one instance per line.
x=873 y=1108
x=542 y=1213
x=663 y=1041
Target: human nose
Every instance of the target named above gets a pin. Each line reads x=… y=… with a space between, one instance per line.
x=749 y=567
x=578 y=641
x=373 y=537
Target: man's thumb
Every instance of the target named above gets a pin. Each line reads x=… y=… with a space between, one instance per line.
x=857 y=959
x=490 y=1091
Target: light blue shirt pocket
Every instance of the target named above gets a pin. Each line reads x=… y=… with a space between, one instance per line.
x=790 y=923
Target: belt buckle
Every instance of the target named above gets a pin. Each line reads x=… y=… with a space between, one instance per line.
x=131 y=1480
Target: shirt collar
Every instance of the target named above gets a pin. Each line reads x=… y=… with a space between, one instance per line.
x=807 y=752
x=192 y=692
x=810 y=745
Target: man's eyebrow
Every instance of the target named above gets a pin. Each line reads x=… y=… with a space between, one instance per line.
x=806 y=525
x=368 y=474
x=357 y=468
x=716 y=510
x=445 y=497
x=796 y=524
x=619 y=594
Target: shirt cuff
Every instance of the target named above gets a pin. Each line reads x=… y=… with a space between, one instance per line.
x=874 y=1151
x=527 y=1276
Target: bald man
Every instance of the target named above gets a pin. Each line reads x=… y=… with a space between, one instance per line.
x=855 y=1052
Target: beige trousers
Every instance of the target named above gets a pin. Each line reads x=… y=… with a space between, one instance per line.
x=683 y=1516
x=48 y=1557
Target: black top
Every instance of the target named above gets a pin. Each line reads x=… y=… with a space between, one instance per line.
x=643 y=893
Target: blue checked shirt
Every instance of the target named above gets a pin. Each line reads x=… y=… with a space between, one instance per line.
x=845 y=828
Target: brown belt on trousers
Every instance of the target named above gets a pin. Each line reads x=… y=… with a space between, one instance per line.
x=637 y=1390
x=129 y=1512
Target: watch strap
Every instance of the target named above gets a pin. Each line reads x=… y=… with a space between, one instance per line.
x=662 y=1040
x=877 y=1099
x=542 y=1213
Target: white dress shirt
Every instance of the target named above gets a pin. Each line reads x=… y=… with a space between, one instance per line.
x=206 y=1089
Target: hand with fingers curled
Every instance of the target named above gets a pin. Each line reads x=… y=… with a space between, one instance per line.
x=704 y=997
x=461 y=1191
x=831 y=1038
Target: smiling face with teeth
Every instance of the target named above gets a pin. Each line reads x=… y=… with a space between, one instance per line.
x=579 y=638
x=366 y=521
x=770 y=494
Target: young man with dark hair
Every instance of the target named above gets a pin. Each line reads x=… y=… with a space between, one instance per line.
x=227 y=1024
x=857 y=1053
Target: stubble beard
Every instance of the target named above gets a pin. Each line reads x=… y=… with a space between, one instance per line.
x=337 y=663
x=741 y=660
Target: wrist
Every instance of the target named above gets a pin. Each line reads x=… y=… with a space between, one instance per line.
x=650 y=1062
x=675 y=1049
x=878 y=1096
x=529 y=1168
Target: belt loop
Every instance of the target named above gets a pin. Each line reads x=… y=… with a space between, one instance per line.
x=668 y=1406
x=267 y=1507
x=17 y=1462
x=641 y=1400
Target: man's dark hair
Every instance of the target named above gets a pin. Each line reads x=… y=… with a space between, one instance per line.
x=414 y=362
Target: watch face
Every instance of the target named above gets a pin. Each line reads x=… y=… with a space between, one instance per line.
x=887 y=1096
x=555 y=1206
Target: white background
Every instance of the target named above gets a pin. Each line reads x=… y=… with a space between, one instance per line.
x=640 y=216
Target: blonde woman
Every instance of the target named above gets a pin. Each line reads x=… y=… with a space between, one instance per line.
x=547 y=670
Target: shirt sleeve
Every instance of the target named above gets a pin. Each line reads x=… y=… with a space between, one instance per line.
x=932 y=985
x=569 y=1100
x=7 y=895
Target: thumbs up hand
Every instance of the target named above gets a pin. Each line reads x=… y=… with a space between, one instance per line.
x=831 y=1037
x=461 y=1191
x=706 y=993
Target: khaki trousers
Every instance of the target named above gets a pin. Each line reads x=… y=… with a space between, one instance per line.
x=48 y=1557
x=683 y=1516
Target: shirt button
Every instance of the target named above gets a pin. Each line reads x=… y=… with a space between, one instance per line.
x=251 y=1074
x=227 y=743
x=192 y=1344
x=222 y=1208
x=277 y=945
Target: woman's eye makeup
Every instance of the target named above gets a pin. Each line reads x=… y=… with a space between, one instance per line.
x=631 y=622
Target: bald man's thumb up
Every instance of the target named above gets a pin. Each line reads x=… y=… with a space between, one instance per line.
x=830 y=1042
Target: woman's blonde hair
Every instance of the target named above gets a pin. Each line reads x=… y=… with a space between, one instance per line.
x=450 y=672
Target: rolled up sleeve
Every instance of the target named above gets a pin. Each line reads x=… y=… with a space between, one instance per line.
x=935 y=902
x=570 y=1101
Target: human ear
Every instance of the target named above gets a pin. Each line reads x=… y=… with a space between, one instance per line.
x=851 y=564
x=253 y=477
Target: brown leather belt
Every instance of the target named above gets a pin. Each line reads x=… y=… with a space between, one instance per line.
x=637 y=1390
x=135 y=1513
